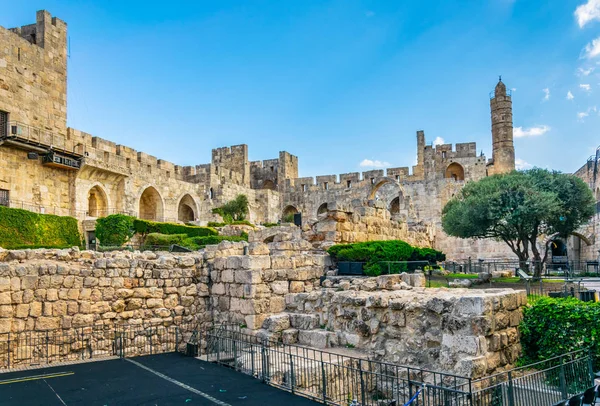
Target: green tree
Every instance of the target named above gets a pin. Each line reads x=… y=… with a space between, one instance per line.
x=234 y=210
x=575 y=206
x=114 y=230
x=517 y=208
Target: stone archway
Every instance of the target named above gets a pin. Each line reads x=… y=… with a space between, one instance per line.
x=455 y=171
x=97 y=202
x=322 y=209
x=379 y=182
x=396 y=205
x=288 y=214
x=151 y=205
x=187 y=209
x=269 y=184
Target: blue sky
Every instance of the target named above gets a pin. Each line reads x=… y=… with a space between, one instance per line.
x=333 y=82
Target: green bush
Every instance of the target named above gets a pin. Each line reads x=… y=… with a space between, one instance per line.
x=214 y=224
x=234 y=210
x=269 y=225
x=197 y=243
x=145 y=227
x=25 y=229
x=552 y=327
x=376 y=253
x=114 y=230
x=164 y=240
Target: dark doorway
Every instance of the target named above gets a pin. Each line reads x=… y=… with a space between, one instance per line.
x=91 y=239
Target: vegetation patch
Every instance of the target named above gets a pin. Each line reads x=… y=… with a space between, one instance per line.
x=145 y=227
x=114 y=230
x=234 y=210
x=553 y=327
x=376 y=253
x=25 y=229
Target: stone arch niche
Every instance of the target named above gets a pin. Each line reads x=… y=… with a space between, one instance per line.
x=455 y=171
x=151 y=205
x=396 y=205
x=288 y=212
x=187 y=210
x=97 y=202
x=322 y=209
x=268 y=184
x=379 y=182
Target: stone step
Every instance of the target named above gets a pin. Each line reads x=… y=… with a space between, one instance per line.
x=304 y=321
x=317 y=338
x=277 y=322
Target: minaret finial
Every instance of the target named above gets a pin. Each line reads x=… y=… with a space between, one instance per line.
x=500 y=78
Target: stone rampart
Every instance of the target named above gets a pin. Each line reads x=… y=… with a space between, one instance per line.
x=43 y=290
x=467 y=332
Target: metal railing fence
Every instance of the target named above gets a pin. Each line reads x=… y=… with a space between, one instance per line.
x=333 y=378
x=30 y=348
x=540 y=384
x=567 y=269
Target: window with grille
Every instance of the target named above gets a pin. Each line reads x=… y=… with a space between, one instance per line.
x=3 y=197
x=3 y=124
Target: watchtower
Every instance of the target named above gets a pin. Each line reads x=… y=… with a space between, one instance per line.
x=503 y=149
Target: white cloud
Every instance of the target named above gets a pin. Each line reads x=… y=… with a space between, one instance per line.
x=520 y=132
x=585 y=72
x=438 y=141
x=582 y=114
x=514 y=89
x=570 y=95
x=587 y=12
x=374 y=164
x=546 y=94
x=522 y=165
x=592 y=49
x=585 y=87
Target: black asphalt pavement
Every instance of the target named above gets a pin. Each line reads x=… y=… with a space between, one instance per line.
x=174 y=379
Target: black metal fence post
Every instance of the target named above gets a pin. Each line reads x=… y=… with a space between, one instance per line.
x=362 y=383
x=591 y=365
x=563 y=381
x=292 y=383
x=511 y=393
x=324 y=379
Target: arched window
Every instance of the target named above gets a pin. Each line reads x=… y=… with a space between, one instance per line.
x=288 y=214
x=97 y=202
x=211 y=193
x=395 y=205
x=455 y=171
x=151 y=205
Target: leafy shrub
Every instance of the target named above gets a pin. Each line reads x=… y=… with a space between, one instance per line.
x=164 y=240
x=145 y=227
x=552 y=327
x=25 y=229
x=114 y=230
x=234 y=210
x=197 y=243
x=288 y=218
x=269 y=225
x=376 y=253
x=236 y=222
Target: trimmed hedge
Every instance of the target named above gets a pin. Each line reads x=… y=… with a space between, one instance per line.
x=145 y=227
x=552 y=327
x=24 y=229
x=114 y=230
x=236 y=222
x=374 y=252
x=164 y=240
x=197 y=243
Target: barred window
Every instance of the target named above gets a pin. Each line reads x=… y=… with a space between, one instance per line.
x=3 y=124
x=4 y=197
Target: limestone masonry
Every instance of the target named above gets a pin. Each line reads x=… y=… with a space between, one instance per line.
x=272 y=290
x=48 y=167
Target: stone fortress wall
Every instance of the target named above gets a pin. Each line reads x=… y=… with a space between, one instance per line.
x=275 y=289
x=96 y=177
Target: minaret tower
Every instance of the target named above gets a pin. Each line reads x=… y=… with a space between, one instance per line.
x=503 y=149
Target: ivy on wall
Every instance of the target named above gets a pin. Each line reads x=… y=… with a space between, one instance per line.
x=25 y=229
